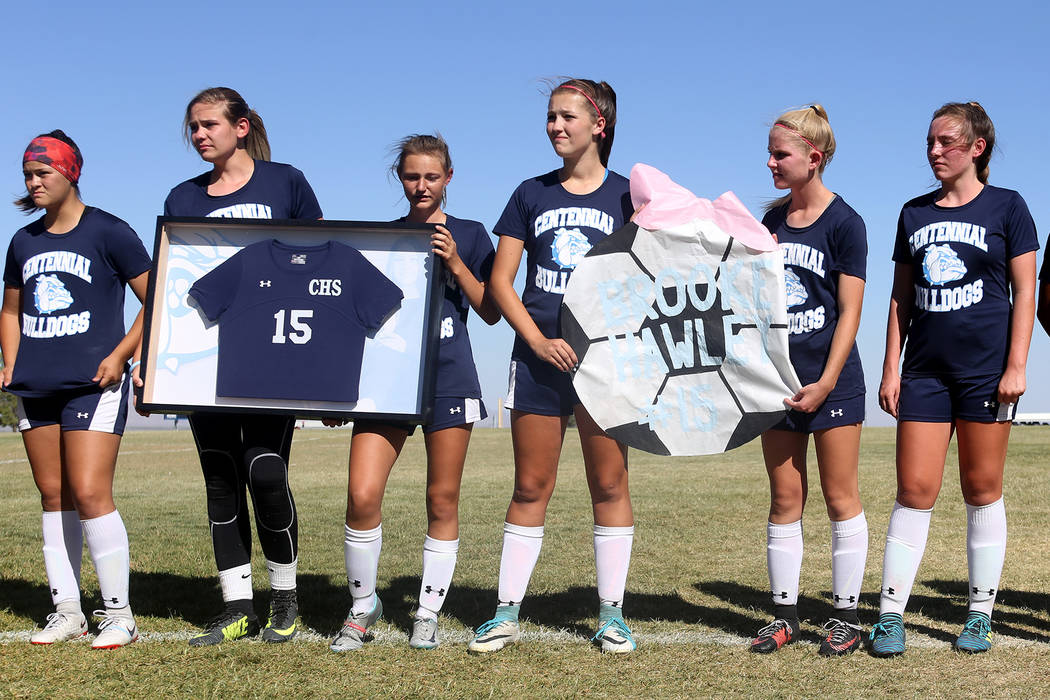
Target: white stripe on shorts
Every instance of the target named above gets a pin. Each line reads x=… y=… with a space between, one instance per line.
x=108 y=409
x=472 y=409
x=20 y=414
x=509 y=403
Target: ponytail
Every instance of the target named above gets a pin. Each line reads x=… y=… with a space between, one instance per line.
x=255 y=143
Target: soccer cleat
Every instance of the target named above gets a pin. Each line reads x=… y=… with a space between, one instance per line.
x=976 y=635
x=229 y=625
x=61 y=626
x=281 y=627
x=775 y=635
x=842 y=638
x=494 y=635
x=355 y=629
x=614 y=637
x=424 y=633
x=114 y=630
x=887 y=636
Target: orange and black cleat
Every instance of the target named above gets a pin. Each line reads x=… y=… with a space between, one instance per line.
x=775 y=635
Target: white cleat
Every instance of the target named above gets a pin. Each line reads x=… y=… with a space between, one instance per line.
x=60 y=627
x=114 y=630
x=494 y=635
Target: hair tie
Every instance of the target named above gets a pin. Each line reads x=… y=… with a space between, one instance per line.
x=56 y=153
x=808 y=142
x=593 y=103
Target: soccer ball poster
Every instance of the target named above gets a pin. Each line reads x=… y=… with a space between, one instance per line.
x=679 y=324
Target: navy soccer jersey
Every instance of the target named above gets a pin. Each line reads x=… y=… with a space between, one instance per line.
x=457 y=376
x=293 y=319
x=72 y=299
x=814 y=257
x=274 y=191
x=558 y=228
x=960 y=257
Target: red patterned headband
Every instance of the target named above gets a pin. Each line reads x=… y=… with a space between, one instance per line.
x=593 y=103
x=808 y=142
x=56 y=153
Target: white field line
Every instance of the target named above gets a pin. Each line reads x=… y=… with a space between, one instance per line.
x=385 y=635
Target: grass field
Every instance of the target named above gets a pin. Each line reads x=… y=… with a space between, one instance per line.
x=696 y=591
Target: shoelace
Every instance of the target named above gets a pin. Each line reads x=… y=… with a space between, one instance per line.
x=841 y=631
x=978 y=626
x=55 y=619
x=613 y=622
x=106 y=619
x=772 y=628
x=888 y=628
x=491 y=624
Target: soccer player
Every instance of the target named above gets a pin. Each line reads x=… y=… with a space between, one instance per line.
x=825 y=252
x=239 y=451
x=424 y=168
x=555 y=219
x=66 y=357
x=962 y=252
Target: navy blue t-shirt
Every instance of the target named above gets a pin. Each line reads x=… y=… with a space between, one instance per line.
x=274 y=191
x=558 y=228
x=293 y=319
x=814 y=257
x=960 y=258
x=72 y=299
x=457 y=376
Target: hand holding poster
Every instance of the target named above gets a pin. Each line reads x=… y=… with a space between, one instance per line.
x=679 y=322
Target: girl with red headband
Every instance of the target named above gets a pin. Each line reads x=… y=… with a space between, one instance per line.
x=964 y=300
x=555 y=219
x=242 y=453
x=65 y=355
x=825 y=253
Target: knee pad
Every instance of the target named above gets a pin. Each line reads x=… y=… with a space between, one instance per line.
x=224 y=488
x=268 y=481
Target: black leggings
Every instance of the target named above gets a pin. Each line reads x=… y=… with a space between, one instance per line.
x=239 y=451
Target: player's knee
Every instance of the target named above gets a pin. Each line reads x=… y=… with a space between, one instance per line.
x=916 y=495
x=266 y=470
x=363 y=504
x=981 y=492
x=442 y=503
x=608 y=489
x=92 y=500
x=842 y=503
x=530 y=491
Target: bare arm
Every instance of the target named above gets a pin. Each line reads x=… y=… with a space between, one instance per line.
x=850 y=300
x=1044 y=306
x=483 y=304
x=112 y=367
x=10 y=329
x=501 y=285
x=902 y=298
x=1022 y=282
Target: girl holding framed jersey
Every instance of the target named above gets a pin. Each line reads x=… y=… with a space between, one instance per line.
x=825 y=252
x=240 y=452
x=554 y=219
x=65 y=356
x=424 y=168
x=962 y=252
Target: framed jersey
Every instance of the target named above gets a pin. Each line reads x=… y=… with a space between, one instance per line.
x=310 y=318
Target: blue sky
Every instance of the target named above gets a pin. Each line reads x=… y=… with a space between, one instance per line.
x=698 y=87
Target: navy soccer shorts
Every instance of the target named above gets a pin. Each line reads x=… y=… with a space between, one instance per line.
x=831 y=414
x=102 y=410
x=943 y=399
x=539 y=387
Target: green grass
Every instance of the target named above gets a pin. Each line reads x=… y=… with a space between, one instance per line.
x=697 y=587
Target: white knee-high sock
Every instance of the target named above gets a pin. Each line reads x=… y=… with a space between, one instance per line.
x=612 y=559
x=439 y=563
x=63 y=551
x=849 y=553
x=905 y=545
x=361 y=550
x=784 y=559
x=521 y=549
x=107 y=541
x=282 y=576
x=985 y=550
